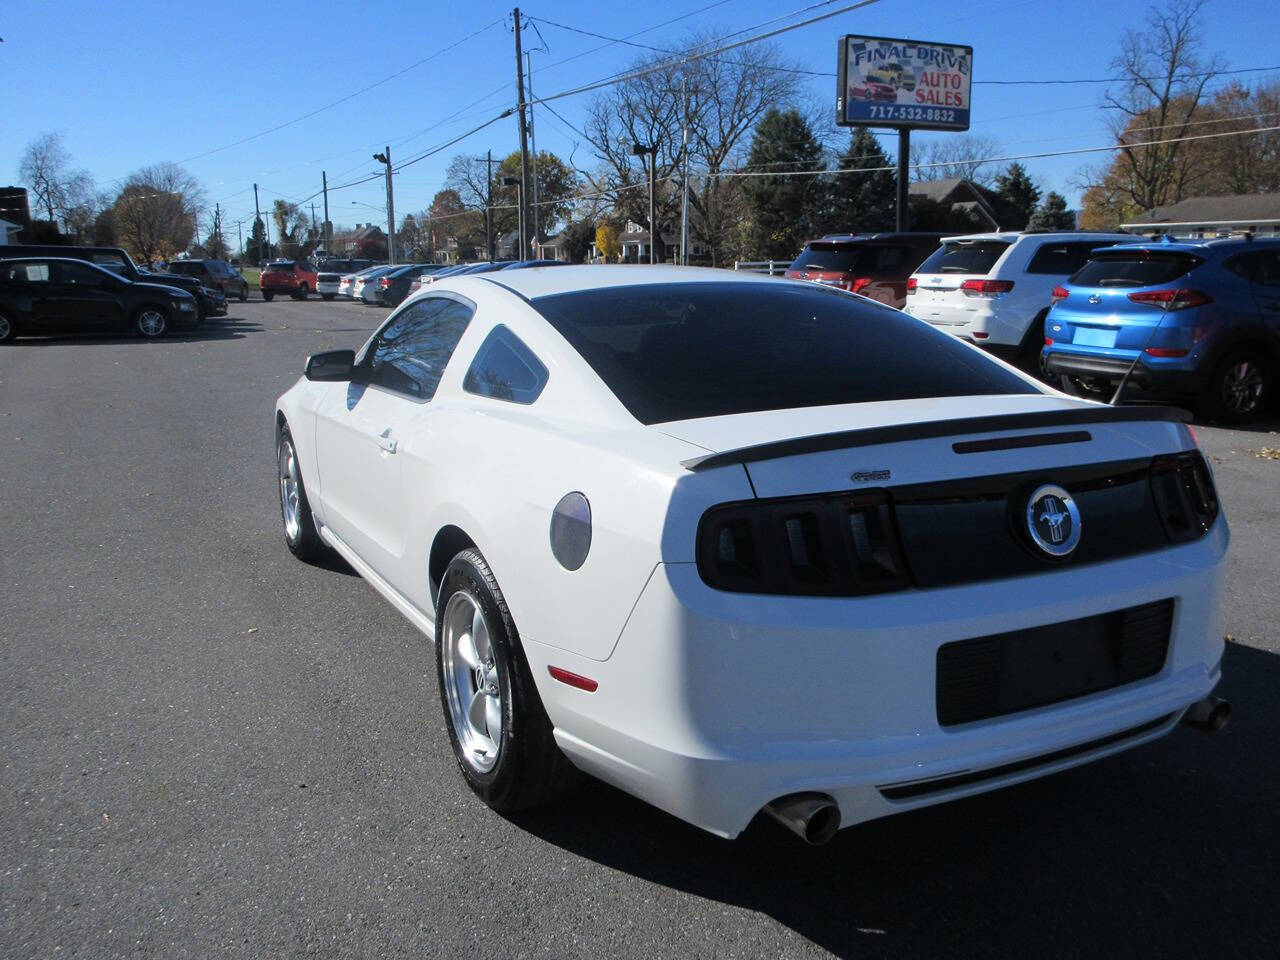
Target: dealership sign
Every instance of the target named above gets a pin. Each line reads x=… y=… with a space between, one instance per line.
x=903 y=83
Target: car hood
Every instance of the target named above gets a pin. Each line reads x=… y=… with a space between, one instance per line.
x=741 y=430
x=170 y=289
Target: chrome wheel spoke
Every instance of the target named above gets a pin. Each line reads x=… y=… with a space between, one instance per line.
x=467 y=651
x=493 y=717
x=477 y=711
x=480 y=637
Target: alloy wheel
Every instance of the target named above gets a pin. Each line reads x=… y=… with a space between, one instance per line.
x=5 y=328
x=1242 y=386
x=151 y=323
x=473 y=685
x=290 y=485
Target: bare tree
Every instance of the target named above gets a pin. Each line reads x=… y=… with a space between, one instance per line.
x=1164 y=81
x=55 y=186
x=955 y=157
x=721 y=99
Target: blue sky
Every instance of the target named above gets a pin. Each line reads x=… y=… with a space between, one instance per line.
x=134 y=83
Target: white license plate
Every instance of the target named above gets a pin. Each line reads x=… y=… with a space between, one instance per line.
x=1093 y=337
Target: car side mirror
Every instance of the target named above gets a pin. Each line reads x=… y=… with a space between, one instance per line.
x=332 y=365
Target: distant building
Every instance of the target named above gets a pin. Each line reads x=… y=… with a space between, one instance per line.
x=1198 y=217
x=634 y=240
x=961 y=194
x=13 y=205
x=9 y=232
x=348 y=243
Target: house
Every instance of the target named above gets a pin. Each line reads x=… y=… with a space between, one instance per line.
x=349 y=243
x=1198 y=217
x=634 y=240
x=963 y=194
x=9 y=232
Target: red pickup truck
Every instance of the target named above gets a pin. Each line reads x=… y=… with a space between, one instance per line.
x=294 y=277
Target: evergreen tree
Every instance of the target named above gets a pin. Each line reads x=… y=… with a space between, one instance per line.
x=1053 y=215
x=784 y=210
x=862 y=202
x=1016 y=197
x=257 y=248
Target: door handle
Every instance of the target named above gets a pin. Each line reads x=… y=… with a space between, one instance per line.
x=386 y=441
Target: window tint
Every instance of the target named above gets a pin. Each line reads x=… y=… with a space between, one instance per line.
x=411 y=352
x=1261 y=267
x=864 y=258
x=112 y=261
x=505 y=369
x=1140 y=268
x=678 y=351
x=1062 y=259
x=966 y=256
x=78 y=274
x=27 y=272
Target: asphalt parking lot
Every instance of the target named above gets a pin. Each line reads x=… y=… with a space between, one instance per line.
x=210 y=749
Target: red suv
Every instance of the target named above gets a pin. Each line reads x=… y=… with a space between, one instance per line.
x=875 y=265
x=294 y=277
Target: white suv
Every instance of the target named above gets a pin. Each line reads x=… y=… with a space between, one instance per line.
x=994 y=289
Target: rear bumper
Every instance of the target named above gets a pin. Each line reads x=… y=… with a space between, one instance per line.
x=327 y=286
x=1112 y=369
x=714 y=704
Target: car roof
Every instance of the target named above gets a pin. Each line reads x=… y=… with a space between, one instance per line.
x=1009 y=236
x=1198 y=246
x=532 y=284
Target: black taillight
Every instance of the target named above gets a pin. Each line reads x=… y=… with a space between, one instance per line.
x=841 y=545
x=1184 y=495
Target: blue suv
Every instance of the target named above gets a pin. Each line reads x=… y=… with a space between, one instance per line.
x=1202 y=319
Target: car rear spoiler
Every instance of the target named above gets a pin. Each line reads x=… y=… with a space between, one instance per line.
x=930 y=429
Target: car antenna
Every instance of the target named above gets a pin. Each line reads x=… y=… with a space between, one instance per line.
x=1151 y=336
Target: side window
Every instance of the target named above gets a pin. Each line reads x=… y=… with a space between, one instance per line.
x=1267 y=268
x=78 y=275
x=1061 y=259
x=412 y=350
x=28 y=273
x=505 y=369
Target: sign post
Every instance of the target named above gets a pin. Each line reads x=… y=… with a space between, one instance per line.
x=904 y=85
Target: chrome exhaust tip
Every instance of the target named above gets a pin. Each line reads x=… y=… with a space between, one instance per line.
x=1210 y=714
x=813 y=817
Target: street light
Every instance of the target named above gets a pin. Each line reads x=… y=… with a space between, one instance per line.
x=385 y=158
x=639 y=150
x=516 y=182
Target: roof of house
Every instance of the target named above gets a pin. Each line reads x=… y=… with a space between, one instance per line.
x=1214 y=210
x=959 y=192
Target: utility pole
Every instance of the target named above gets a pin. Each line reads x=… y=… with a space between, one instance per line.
x=328 y=227
x=904 y=154
x=217 y=226
x=533 y=152
x=488 y=203
x=313 y=221
x=524 y=137
x=240 y=236
x=385 y=158
x=684 y=149
x=640 y=150
x=256 y=218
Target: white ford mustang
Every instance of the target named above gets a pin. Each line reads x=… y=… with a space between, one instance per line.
x=738 y=544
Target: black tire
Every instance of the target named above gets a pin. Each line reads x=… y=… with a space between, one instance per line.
x=304 y=543
x=326 y=296
x=302 y=292
x=244 y=292
x=1027 y=359
x=267 y=296
x=1241 y=386
x=6 y=328
x=151 y=321
x=530 y=769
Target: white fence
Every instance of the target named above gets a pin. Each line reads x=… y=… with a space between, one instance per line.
x=774 y=268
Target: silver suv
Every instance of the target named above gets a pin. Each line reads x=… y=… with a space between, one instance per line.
x=994 y=289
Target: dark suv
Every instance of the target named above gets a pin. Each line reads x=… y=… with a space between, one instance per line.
x=214 y=273
x=875 y=265
x=1193 y=319
x=210 y=301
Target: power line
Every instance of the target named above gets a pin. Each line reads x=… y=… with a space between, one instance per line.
x=341 y=100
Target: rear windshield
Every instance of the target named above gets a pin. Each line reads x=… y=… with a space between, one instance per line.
x=866 y=259
x=681 y=351
x=967 y=256
x=279 y=266
x=1134 y=269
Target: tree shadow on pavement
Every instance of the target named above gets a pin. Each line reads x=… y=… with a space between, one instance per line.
x=1168 y=850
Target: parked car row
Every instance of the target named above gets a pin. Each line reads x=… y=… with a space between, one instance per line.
x=1195 y=321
